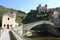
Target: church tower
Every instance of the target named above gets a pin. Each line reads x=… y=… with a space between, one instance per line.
x=8 y=20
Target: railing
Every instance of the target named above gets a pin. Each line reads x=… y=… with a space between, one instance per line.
x=12 y=36
x=19 y=37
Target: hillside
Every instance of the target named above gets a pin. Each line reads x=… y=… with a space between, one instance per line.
x=20 y=15
x=23 y=18
x=34 y=16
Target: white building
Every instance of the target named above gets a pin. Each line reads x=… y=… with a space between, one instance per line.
x=8 y=20
x=41 y=8
x=56 y=18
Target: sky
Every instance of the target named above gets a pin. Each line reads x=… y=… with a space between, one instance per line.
x=27 y=5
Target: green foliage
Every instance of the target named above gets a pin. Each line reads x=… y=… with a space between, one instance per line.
x=33 y=16
x=20 y=17
x=43 y=16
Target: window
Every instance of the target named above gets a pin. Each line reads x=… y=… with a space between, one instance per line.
x=7 y=26
x=8 y=18
x=4 y=25
x=59 y=16
x=11 y=25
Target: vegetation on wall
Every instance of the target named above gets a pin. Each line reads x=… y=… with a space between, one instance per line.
x=33 y=16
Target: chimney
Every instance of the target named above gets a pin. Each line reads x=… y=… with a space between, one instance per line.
x=45 y=5
x=39 y=5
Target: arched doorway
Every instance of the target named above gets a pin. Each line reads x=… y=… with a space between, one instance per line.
x=7 y=26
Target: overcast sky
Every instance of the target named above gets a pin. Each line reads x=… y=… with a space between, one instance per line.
x=27 y=5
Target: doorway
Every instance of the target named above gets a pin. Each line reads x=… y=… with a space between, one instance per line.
x=7 y=26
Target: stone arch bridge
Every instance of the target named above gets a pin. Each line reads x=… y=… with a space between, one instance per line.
x=29 y=26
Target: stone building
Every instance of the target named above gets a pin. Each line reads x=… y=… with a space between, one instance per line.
x=41 y=8
x=8 y=20
x=56 y=18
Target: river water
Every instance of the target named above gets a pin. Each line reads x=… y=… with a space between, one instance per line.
x=42 y=36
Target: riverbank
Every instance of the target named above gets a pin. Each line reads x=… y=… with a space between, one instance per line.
x=44 y=38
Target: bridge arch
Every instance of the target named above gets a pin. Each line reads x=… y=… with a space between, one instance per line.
x=42 y=22
x=44 y=25
x=31 y=25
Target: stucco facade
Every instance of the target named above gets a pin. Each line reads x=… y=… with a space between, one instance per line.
x=8 y=20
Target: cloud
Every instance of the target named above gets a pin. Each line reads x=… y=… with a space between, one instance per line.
x=24 y=10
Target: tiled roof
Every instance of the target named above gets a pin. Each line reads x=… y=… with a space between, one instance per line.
x=10 y=14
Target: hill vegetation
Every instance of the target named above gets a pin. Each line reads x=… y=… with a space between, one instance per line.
x=34 y=16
